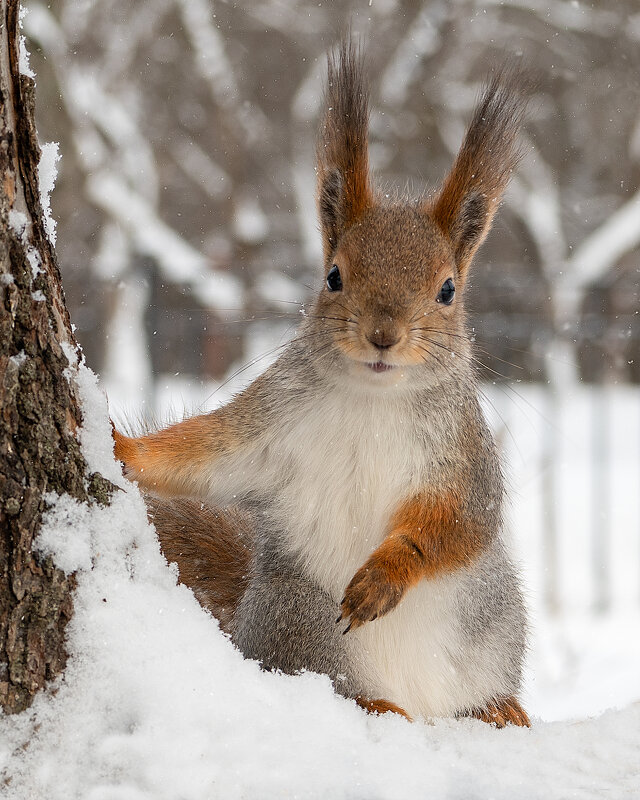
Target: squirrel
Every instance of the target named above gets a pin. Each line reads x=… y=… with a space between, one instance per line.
x=353 y=493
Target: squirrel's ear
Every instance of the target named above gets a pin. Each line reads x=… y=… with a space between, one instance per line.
x=465 y=205
x=342 y=159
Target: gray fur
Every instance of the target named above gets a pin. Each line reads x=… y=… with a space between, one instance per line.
x=287 y=623
x=493 y=618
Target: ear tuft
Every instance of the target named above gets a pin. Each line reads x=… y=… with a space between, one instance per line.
x=467 y=202
x=330 y=206
x=344 y=188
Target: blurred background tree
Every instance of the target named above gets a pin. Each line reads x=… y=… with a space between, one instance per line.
x=185 y=201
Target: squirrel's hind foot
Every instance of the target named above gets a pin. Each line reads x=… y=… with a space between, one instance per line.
x=380 y=707
x=506 y=711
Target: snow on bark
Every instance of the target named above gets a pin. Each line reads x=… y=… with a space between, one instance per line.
x=47 y=173
x=39 y=453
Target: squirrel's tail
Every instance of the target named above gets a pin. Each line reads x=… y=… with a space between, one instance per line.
x=212 y=547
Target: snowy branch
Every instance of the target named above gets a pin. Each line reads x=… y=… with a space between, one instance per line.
x=600 y=251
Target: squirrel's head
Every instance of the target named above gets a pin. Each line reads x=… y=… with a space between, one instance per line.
x=395 y=272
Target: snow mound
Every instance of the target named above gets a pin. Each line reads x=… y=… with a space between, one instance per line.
x=157 y=703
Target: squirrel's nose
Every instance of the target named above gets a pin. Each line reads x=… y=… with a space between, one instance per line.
x=383 y=339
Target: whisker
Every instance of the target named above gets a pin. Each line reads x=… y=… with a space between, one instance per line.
x=476 y=345
x=297 y=337
x=338 y=319
x=248 y=320
x=349 y=311
x=448 y=368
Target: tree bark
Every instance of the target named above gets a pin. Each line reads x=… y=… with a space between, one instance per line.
x=39 y=405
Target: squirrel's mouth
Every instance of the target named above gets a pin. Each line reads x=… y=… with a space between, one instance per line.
x=380 y=366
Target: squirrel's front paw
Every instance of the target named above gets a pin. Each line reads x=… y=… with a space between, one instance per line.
x=369 y=595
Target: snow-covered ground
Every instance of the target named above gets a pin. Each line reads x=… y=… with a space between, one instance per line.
x=156 y=702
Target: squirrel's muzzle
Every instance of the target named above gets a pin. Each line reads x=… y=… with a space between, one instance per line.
x=384 y=338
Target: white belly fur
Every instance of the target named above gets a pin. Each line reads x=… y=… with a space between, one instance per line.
x=411 y=656
x=353 y=464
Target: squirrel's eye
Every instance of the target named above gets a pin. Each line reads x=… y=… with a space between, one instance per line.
x=334 y=281
x=445 y=295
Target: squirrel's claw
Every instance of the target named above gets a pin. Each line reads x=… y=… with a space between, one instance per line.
x=369 y=595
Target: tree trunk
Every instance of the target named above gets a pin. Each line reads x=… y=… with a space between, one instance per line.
x=38 y=402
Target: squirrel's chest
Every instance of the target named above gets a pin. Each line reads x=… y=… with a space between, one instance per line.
x=349 y=467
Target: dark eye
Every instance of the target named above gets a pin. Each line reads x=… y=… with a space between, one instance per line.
x=334 y=281
x=445 y=295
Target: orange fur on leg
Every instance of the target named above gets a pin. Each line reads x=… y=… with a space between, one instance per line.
x=380 y=707
x=172 y=460
x=178 y=460
x=428 y=536
x=507 y=711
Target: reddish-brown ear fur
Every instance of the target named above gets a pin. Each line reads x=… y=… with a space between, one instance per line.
x=342 y=156
x=465 y=206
